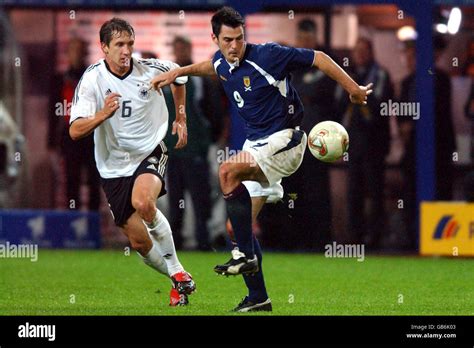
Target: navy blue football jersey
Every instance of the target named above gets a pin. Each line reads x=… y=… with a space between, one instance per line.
x=260 y=88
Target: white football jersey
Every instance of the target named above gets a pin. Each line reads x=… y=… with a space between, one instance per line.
x=124 y=140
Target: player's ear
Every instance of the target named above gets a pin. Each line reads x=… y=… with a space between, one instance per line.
x=215 y=39
x=104 y=47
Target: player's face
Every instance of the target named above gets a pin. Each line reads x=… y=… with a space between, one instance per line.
x=119 y=51
x=410 y=59
x=306 y=39
x=182 y=53
x=361 y=54
x=231 y=42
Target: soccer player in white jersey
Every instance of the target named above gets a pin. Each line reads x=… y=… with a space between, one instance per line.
x=129 y=122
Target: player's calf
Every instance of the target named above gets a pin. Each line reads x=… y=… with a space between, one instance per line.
x=141 y=245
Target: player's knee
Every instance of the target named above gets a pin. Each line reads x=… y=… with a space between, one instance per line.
x=145 y=207
x=227 y=174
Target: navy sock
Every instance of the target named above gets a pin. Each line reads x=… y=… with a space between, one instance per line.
x=255 y=283
x=239 y=209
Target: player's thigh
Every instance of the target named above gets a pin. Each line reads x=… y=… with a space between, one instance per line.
x=243 y=166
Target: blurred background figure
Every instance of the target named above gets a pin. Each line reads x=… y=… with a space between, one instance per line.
x=11 y=141
x=445 y=141
x=310 y=184
x=188 y=168
x=76 y=157
x=407 y=133
x=469 y=113
x=369 y=145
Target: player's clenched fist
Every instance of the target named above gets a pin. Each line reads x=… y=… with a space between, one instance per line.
x=111 y=104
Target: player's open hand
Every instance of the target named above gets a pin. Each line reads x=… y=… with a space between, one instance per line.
x=111 y=104
x=360 y=95
x=179 y=126
x=163 y=80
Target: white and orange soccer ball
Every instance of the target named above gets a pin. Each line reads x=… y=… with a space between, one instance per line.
x=328 y=141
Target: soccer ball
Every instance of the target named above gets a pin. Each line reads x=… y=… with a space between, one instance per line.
x=328 y=141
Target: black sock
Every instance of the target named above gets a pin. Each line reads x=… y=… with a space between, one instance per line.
x=239 y=209
x=255 y=282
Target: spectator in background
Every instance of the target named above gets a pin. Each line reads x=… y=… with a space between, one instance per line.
x=407 y=133
x=469 y=112
x=188 y=168
x=445 y=143
x=369 y=145
x=445 y=139
x=310 y=183
x=77 y=156
x=468 y=66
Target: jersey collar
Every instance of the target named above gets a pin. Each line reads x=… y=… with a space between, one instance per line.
x=233 y=66
x=118 y=76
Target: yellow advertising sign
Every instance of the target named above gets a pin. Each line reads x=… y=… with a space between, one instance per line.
x=447 y=228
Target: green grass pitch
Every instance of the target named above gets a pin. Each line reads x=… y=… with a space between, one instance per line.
x=111 y=283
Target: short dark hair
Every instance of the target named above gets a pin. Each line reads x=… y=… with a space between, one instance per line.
x=307 y=25
x=182 y=39
x=115 y=25
x=226 y=16
x=368 y=42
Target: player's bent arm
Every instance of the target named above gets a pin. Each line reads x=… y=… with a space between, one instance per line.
x=179 y=98
x=328 y=66
x=358 y=94
x=205 y=68
x=82 y=127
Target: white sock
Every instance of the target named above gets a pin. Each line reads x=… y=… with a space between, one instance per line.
x=161 y=234
x=154 y=260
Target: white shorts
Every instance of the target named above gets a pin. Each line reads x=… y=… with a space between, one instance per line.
x=278 y=155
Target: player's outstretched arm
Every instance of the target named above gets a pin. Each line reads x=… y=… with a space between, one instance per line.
x=198 y=69
x=82 y=127
x=358 y=94
x=179 y=125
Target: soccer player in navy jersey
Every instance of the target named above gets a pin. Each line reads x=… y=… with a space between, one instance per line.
x=256 y=81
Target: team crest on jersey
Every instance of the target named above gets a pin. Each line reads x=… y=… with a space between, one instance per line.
x=247 y=84
x=144 y=93
x=153 y=160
